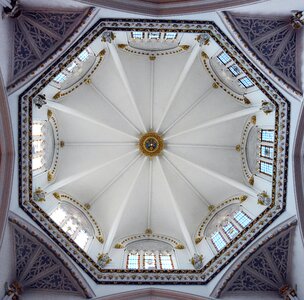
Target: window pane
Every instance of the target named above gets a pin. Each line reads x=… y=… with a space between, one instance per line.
x=82 y=239
x=246 y=82
x=242 y=219
x=149 y=261
x=224 y=58
x=154 y=35
x=70 y=226
x=84 y=55
x=267 y=152
x=37 y=146
x=137 y=35
x=165 y=262
x=218 y=241
x=37 y=163
x=230 y=230
x=266 y=168
x=267 y=135
x=235 y=70
x=170 y=35
x=60 y=78
x=37 y=129
x=71 y=66
x=133 y=261
x=58 y=215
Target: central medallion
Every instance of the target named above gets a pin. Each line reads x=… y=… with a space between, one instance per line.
x=151 y=144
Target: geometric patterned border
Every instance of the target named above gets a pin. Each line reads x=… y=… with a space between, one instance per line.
x=217 y=263
x=36 y=257
x=268 y=259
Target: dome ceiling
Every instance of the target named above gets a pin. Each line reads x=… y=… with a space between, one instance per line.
x=149 y=141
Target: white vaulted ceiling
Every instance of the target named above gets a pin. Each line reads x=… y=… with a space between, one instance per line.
x=171 y=193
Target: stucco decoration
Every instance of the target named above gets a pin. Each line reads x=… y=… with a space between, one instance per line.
x=39 y=266
x=263 y=268
x=39 y=34
x=274 y=41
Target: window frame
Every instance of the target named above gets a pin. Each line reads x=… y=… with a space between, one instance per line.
x=267 y=163
x=245 y=79
x=224 y=61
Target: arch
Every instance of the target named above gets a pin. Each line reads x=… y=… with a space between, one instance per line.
x=7 y=155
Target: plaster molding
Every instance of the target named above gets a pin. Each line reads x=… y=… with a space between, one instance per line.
x=7 y=157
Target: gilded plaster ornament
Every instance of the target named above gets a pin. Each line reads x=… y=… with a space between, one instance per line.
x=203 y=39
x=100 y=239
x=267 y=107
x=264 y=199
x=297 y=20
x=107 y=36
x=197 y=261
x=180 y=247
x=198 y=239
x=243 y=198
x=39 y=100
x=39 y=195
x=56 y=195
x=57 y=95
x=251 y=180
x=238 y=148
x=148 y=231
x=185 y=47
x=151 y=144
x=215 y=85
x=103 y=259
x=253 y=120
x=49 y=113
x=204 y=55
x=118 y=246
x=50 y=176
x=211 y=207
x=87 y=206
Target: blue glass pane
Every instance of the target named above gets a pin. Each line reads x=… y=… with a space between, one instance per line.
x=133 y=261
x=242 y=219
x=224 y=58
x=266 y=168
x=246 y=82
x=154 y=35
x=170 y=35
x=166 y=262
x=235 y=70
x=218 y=241
x=267 y=152
x=60 y=78
x=84 y=55
x=137 y=35
x=230 y=230
x=267 y=135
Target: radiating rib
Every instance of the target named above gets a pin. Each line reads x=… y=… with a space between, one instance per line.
x=180 y=145
x=218 y=120
x=121 y=209
x=150 y=192
x=189 y=109
x=74 y=112
x=100 y=93
x=191 y=186
x=180 y=218
x=107 y=144
x=114 y=179
x=58 y=184
x=125 y=80
x=152 y=93
x=180 y=81
x=223 y=178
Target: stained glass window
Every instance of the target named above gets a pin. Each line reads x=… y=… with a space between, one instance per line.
x=218 y=240
x=137 y=35
x=267 y=135
x=266 y=168
x=165 y=262
x=133 y=261
x=246 y=82
x=267 y=151
x=235 y=70
x=231 y=231
x=224 y=58
x=241 y=218
x=154 y=35
x=170 y=35
x=149 y=261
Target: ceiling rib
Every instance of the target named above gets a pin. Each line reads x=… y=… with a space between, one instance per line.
x=218 y=120
x=121 y=209
x=180 y=81
x=112 y=144
x=191 y=186
x=75 y=113
x=201 y=146
x=104 y=97
x=152 y=73
x=114 y=179
x=150 y=192
x=223 y=178
x=125 y=80
x=59 y=184
x=189 y=109
x=178 y=214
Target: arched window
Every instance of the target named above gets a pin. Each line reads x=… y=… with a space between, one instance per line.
x=150 y=255
x=74 y=223
x=226 y=225
x=266 y=152
x=38 y=145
